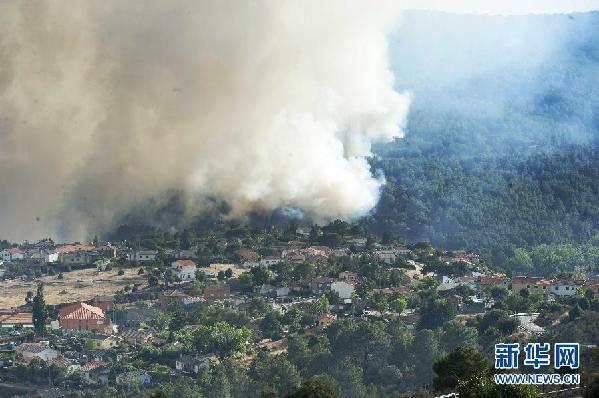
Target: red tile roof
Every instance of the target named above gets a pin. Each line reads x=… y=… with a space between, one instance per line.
x=185 y=263
x=22 y=318
x=81 y=311
x=73 y=248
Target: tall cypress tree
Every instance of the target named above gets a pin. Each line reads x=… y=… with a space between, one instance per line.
x=40 y=311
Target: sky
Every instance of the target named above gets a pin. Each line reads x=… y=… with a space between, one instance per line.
x=504 y=7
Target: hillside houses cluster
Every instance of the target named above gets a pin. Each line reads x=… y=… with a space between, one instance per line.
x=50 y=253
x=91 y=336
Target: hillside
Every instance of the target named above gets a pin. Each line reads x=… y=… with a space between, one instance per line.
x=502 y=146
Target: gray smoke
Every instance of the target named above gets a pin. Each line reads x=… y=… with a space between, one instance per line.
x=262 y=104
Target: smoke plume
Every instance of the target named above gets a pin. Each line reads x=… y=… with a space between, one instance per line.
x=263 y=104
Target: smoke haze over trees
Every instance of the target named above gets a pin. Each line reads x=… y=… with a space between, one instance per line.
x=501 y=148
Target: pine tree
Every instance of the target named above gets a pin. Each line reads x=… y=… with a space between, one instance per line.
x=40 y=311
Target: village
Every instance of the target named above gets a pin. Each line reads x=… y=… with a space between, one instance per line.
x=108 y=307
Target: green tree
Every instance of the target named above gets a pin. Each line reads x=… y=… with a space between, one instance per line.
x=380 y=302
x=316 y=387
x=275 y=373
x=40 y=311
x=459 y=365
x=261 y=275
x=482 y=386
x=222 y=339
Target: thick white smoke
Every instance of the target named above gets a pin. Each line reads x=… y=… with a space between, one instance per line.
x=261 y=103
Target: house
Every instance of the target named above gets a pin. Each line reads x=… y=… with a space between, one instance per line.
x=269 y=261
x=348 y=276
x=554 y=287
x=344 y=289
x=320 y=285
x=77 y=257
x=269 y=290
x=168 y=296
x=387 y=256
x=565 y=287
x=493 y=281
x=193 y=364
x=247 y=258
x=107 y=251
x=136 y=377
x=401 y=250
x=12 y=254
x=101 y=342
x=74 y=248
x=185 y=269
x=527 y=283
x=137 y=336
x=106 y=303
x=143 y=256
x=81 y=316
x=23 y=319
x=41 y=351
x=134 y=316
x=446 y=283
x=45 y=256
x=96 y=372
x=180 y=254
x=217 y=291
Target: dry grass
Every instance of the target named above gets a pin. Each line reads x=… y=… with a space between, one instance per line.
x=215 y=268
x=79 y=285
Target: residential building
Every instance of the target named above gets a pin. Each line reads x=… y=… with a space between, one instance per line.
x=348 y=276
x=344 y=289
x=23 y=319
x=81 y=316
x=41 y=351
x=387 y=256
x=143 y=256
x=555 y=287
x=45 y=256
x=180 y=254
x=137 y=336
x=193 y=364
x=185 y=269
x=168 y=296
x=247 y=258
x=12 y=254
x=78 y=257
x=96 y=372
x=565 y=287
x=106 y=303
x=269 y=261
x=217 y=291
